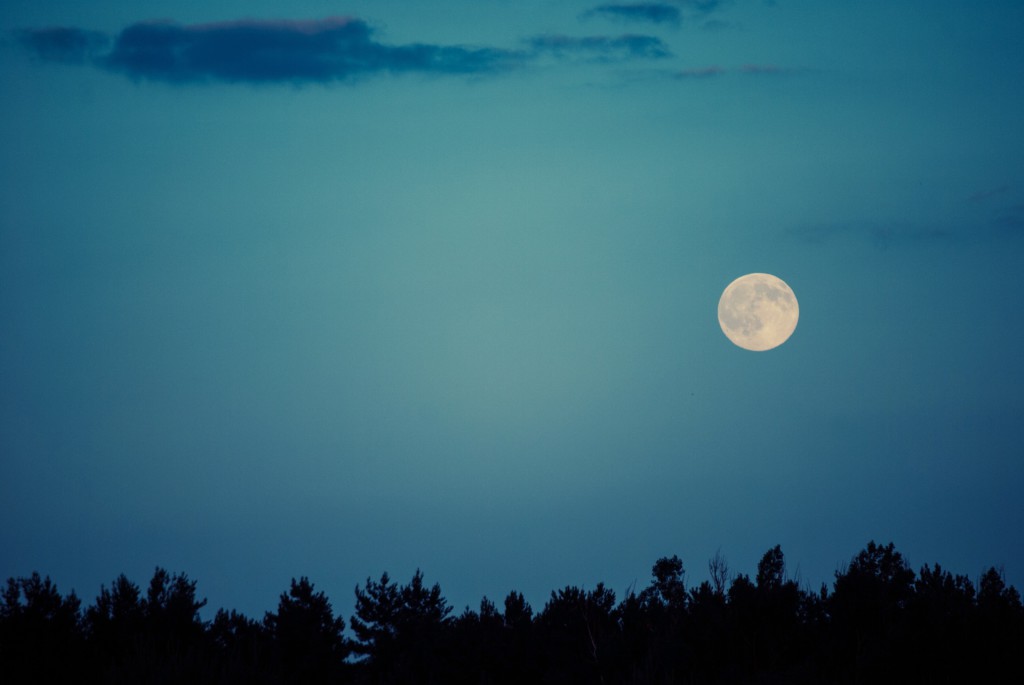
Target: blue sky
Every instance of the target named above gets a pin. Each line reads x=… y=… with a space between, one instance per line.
x=317 y=289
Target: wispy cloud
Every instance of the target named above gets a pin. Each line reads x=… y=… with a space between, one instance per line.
x=700 y=72
x=701 y=6
x=63 y=44
x=655 y=12
x=746 y=69
x=1002 y=207
x=313 y=51
x=600 y=47
x=1011 y=220
x=762 y=69
x=881 y=235
x=988 y=194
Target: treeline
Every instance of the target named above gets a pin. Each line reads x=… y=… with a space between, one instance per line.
x=880 y=622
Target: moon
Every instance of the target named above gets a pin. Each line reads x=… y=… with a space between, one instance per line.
x=758 y=312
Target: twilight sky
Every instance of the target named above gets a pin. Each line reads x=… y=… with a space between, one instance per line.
x=309 y=288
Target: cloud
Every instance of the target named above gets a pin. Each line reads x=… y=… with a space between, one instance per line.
x=312 y=51
x=602 y=47
x=988 y=194
x=716 y=25
x=764 y=69
x=995 y=215
x=1001 y=205
x=700 y=72
x=261 y=51
x=655 y=12
x=881 y=236
x=62 y=44
x=747 y=69
x=1011 y=221
x=701 y=6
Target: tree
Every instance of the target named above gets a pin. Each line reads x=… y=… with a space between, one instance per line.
x=40 y=631
x=939 y=615
x=718 y=570
x=375 y=622
x=171 y=611
x=779 y=602
x=114 y=624
x=518 y=612
x=663 y=605
x=579 y=634
x=160 y=636
x=771 y=570
x=400 y=628
x=668 y=588
x=482 y=648
x=1000 y=628
x=994 y=595
x=307 y=635
x=867 y=610
x=243 y=648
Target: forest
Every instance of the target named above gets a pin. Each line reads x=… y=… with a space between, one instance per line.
x=878 y=622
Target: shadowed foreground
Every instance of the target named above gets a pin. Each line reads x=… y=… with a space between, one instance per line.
x=880 y=622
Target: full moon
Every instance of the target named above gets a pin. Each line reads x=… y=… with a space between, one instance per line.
x=758 y=312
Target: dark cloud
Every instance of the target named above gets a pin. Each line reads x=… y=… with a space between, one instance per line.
x=263 y=51
x=315 y=51
x=601 y=47
x=61 y=44
x=656 y=12
x=333 y=49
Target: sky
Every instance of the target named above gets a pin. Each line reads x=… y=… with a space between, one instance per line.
x=330 y=289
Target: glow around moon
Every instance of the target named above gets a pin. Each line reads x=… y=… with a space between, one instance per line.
x=758 y=312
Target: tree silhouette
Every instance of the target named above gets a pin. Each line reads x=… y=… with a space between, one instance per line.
x=171 y=613
x=779 y=634
x=866 y=607
x=578 y=632
x=999 y=628
x=307 y=635
x=771 y=570
x=878 y=623
x=376 y=618
x=489 y=647
x=35 y=623
x=114 y=623
x=244 y=650
x=938 y=625
x=664 y=605
x=399 y=629
x=157 y=638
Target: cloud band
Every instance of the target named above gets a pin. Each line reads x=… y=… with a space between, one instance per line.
x=315 y=51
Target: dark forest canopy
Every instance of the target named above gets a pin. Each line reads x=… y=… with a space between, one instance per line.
x=879 y=622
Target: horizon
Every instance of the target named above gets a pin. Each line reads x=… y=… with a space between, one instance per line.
x=208 y=610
